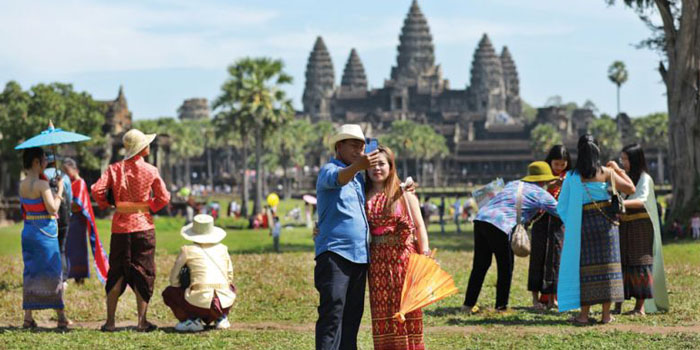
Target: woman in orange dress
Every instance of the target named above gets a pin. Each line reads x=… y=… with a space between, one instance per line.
x=396 y=233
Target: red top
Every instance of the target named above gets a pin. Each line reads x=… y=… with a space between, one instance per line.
x=132 y=180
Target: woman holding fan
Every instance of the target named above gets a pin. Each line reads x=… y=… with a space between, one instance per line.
x=397 y=231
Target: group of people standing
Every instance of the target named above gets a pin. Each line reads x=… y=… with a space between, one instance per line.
x=584 y=251
x=135 y=189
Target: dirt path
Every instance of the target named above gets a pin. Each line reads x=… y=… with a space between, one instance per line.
x=309 y=327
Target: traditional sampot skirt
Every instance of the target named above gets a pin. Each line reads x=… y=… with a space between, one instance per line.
x=636 y=250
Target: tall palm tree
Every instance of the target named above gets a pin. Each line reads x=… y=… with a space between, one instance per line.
x=289 y=144
x=617 y=73
x=253 y=91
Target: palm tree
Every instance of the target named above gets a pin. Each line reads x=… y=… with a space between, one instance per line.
x=604 y=129
x=253 y=94
x=542 y=138
x=617 y=73
x=289 y=144
x=322 y=130
x=401 y=138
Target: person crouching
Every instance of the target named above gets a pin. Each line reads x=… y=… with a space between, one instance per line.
x=210 y=293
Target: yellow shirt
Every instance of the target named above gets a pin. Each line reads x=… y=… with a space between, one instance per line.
x=205 y=277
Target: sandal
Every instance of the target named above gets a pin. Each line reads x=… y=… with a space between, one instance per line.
x=150 y=327
x=577 y=322
x=63 y=323
x=29 y=324
x=107 y=330
x=611 y=320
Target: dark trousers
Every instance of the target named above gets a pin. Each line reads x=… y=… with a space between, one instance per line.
x=489 y=240
x=62 y=233
x=341 y=285
x=276 y=243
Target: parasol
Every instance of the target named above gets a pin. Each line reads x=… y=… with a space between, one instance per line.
x=51 y=137
x=309 y=199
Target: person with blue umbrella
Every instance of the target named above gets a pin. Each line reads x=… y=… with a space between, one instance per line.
x=43 y=264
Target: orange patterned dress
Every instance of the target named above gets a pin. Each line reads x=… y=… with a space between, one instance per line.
x=392 y=244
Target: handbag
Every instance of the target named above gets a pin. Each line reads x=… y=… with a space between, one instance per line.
x=616 y=202
x=184 y=276
x=520 y=241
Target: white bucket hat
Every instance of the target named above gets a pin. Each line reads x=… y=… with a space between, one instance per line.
x=135 y=141
x=346 y=132
x=202 y=230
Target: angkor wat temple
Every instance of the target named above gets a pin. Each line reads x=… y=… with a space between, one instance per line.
x=482 y=123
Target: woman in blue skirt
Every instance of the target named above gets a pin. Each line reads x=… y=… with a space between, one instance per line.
x=42 y=278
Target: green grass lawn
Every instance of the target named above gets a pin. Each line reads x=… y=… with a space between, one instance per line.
x=276 y=306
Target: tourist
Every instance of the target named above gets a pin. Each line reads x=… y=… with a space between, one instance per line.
x=695 y=225
x=640 y=233
x=82 y=225
x=441 y=213
x=547 y=238
x=341 y=246
x=64 y=212
x=210 y=293
x=275 y=233
x=132 y=245
x=494 y=224
x=457 y=212
x=397 y=230
x=590 y=271
x=42 y=280
x=425 y=211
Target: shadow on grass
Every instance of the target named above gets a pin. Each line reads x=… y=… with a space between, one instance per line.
x=507 y=321
x=284 y=248
x=525 y=317
x=35 y=330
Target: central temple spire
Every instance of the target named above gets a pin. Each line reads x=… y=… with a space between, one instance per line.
x=416 y=52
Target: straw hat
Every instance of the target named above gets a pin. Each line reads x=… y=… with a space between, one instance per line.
x=539 y=172
x=202 y=230
x=135 y=141
x=346 y=132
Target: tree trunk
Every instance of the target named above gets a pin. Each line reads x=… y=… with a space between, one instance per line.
x=405 y=167
x=418 y=177
x=618 y=99
x=210 y=173
x=660 y=166
x=682 y=79
x=246 y=181
x=4 y=178
x=188 y=172
x=285 y=182
x=436 y=163
x=257 y=204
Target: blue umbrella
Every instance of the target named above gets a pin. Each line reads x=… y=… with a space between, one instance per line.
x=51 y=137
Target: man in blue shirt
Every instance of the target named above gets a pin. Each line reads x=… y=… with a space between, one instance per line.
x=342 y=243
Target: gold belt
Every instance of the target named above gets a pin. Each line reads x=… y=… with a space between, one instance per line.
x=633 y=217
x=132 y=207
x=591 y=206
x=201 y=286
x=39 y=217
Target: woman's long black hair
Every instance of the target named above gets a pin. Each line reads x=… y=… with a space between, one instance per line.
x=588 y=161
x=638 y=163
x=30 y=154
x=559 y=152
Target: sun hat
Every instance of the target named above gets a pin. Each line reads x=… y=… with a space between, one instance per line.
x=135 y=141
x=202 y=230
x=346 y=132
x=539 y=172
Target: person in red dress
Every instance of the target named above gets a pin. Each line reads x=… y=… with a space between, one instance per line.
x=138 y=190
x=395 y=235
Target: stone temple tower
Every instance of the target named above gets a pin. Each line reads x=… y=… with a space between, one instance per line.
x=512 y=84
x=320 y=82
x=416 y=53
x=354 y=79
x=487 y=92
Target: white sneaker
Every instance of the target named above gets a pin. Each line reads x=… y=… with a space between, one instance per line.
x=190 y=326
x=223 y=323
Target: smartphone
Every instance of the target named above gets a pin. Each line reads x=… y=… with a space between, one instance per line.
x=371 y=145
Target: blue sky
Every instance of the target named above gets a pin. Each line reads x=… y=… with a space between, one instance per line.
x=166 y=51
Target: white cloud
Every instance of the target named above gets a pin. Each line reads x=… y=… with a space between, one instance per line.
x=79 y=35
